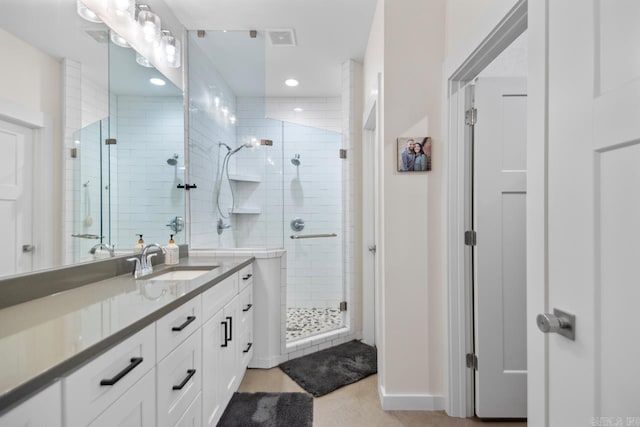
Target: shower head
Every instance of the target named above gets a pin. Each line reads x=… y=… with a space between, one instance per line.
x=173 y=161
x=295 y=161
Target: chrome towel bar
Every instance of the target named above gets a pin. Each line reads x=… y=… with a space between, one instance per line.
x=312 y=236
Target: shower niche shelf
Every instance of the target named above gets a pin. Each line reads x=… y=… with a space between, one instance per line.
x=244 y=178
x=245 y=211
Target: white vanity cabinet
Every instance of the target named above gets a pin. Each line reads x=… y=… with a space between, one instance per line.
x=180 y=370
x=43 y=409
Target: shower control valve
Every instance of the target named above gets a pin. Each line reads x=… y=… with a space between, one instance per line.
x=297 y=224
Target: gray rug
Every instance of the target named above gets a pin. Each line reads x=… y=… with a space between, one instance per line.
x=268 y=410
x=327 y=370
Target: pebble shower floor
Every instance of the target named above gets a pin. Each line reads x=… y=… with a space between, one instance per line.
x=305 y=322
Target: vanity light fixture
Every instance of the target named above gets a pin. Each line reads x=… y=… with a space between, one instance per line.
x=123 y=8
x=157 y=81
x=143 y=61
x=118 y=40
x=171 y=49
x=86 y=13
x=298 y=110
x=150 y=24
x=291 y=82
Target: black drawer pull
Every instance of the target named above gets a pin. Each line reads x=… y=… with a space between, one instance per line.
x=226 y=327
x=230 y=319
x=247 y=277
x=248 y=348
x=190 y=373
x=135 y=361
x=185 y=324
x=247 y=308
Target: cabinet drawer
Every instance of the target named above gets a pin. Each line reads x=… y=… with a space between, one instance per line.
x=179 y=380
x=246 y=276
x=176 y=326
x=245 y=349
x=218 y=296
x=136 y=407
x=43 y=409
x=193 y=416
x=246 y=310
x=91 y=389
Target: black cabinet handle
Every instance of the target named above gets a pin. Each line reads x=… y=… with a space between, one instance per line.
x=248 y=348
x=135 y=361
x=230 y=319
x=190 y=373
x=247 y=277
x=185 y=324
x=187 y=186
x=247 y=308
x=226 y=327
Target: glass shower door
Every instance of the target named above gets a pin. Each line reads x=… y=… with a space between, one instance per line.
x=313 y=210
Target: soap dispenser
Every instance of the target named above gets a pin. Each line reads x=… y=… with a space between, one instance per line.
x=172 y=257
x=137 y=249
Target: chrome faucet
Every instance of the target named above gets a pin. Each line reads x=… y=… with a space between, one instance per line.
x=109 y=248
x=144 y=266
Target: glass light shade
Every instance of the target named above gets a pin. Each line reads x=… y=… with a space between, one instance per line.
x=118 y=40
x=143 y=61
x=123 y=8
x=87 y=13
x=150 y=24
x=171 y=49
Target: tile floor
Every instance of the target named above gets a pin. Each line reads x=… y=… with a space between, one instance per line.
x=357 y=405
x=304 y=322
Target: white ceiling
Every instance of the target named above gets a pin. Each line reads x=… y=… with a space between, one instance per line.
x=328 y=32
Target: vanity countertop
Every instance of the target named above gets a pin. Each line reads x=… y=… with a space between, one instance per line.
x=46 y=338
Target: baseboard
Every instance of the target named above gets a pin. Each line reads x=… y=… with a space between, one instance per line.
x=266 y=363
x=410 y=402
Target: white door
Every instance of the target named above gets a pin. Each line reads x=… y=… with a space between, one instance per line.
x=500 y=178
x=593 y=175
x=369 y=218
x=16 y=146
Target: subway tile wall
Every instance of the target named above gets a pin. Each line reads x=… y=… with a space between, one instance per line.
x=149 y=131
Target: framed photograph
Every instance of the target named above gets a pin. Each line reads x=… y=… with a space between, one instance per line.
x=414 y=154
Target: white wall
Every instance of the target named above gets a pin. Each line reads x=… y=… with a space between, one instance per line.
x=32 y=79
x=412 y=342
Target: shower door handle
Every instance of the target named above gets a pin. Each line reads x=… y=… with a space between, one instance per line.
x=187 y=186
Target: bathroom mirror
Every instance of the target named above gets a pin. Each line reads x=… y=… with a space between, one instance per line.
x=62 y=192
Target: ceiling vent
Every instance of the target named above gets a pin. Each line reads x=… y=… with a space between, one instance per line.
x=286 y=37
x=101 y=36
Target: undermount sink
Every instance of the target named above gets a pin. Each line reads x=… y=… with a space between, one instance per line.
x=181 y=273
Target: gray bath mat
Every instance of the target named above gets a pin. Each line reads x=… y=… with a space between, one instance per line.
x=268 y=410
x=327 y=370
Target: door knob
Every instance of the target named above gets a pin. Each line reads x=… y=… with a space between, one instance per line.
x=28 y=248
x=559 y=322
x=372 y=249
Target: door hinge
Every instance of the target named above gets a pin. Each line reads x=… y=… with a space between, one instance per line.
x=343 y=153
x=343 y=306
x=110 y=141
x=471 y=117
x=470 y=238
x=472 y=361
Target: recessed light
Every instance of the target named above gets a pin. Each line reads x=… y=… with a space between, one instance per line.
x=291 y=82
x=298 y=110
x=156 y=81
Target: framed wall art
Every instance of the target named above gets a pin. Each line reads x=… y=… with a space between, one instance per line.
x=414 y=154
